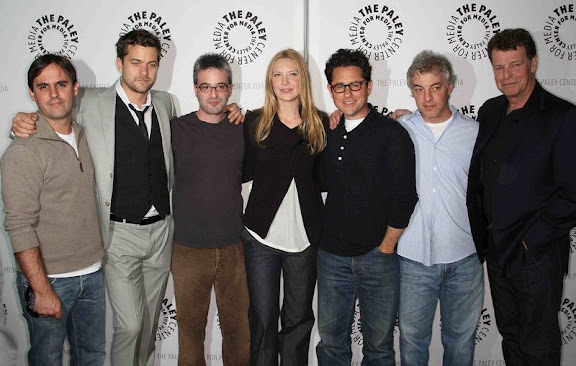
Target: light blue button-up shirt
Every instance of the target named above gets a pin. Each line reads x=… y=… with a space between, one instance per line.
x=439 y=229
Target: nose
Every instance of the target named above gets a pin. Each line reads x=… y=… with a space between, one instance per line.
x=505 y=72
x=284 y=79
x=427 y=95
x=213 y=93
x=53 y=91
x=347 y=90
x=144 y=70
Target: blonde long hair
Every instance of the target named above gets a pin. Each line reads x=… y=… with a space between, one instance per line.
x=311 y=127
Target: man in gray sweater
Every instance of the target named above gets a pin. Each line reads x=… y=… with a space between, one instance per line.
x=52 y=221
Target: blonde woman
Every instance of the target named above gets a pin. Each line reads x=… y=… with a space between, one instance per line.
x=283 y=215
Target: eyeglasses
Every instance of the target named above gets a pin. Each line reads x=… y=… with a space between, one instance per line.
x=354 y=86
x=207 y=88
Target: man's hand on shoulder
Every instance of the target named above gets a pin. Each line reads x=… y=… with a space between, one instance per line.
x=24 y=124
x=335 y=119
x=399 y=113
x=234 y=113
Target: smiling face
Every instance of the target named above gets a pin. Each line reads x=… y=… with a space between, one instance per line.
x=353 y=104
x=285 y=79
x=138 y=69
x=432 y=92
x=54 y=93
x=212 y=103
x=515 y=74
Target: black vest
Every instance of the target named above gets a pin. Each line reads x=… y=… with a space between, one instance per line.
x=140 y=179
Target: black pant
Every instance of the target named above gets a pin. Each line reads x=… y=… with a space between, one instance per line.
x=264 y=266
x=526 y=306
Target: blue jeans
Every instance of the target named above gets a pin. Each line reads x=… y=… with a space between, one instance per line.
x=83 y=322
x=264 y=265
x=374 y=279
x=460 y=288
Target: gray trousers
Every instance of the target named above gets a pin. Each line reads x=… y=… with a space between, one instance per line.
x=136 y=270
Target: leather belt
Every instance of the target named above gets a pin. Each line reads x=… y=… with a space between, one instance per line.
x=145 y=221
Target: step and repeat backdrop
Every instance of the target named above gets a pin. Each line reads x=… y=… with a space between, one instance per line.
x=248 y=33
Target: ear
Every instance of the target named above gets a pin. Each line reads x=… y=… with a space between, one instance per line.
x=534 y=64
x=119 y=64
x=450 y=87
x=329 y=87
x=76 y=87
x=369 y=87
x=196 y=91
x=31 y=94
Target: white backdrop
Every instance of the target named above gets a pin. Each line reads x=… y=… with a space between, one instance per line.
x=249 y=33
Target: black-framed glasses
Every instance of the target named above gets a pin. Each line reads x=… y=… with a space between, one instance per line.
x=207 y=88
x=354 y=86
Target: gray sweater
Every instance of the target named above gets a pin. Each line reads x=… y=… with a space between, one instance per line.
x=50 y=201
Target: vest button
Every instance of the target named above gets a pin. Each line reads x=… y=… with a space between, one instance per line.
x=107 y=204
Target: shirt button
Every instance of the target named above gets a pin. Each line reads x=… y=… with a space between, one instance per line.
x=344 y=137
x=339 y=158
x=434 y=190
x=341 y=147
x=107 y=204
x=435 y=168
x=111 y=175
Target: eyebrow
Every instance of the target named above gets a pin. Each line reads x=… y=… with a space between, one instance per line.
x=57 y=82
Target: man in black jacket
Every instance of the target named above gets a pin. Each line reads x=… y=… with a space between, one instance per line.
x=370 y=179
x=522 y=200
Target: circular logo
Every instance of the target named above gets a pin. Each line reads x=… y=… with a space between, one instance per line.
x=53 y=33
x=240 y=36
x=484 y=326
x=377 y=31
x=167 y=322
x=568 y=321
x=469 y=29
x=153 y=23
x=560 y=32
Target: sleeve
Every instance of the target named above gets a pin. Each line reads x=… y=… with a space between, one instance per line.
x=558 y=216
x=403 y=196
x=22 y=181
x=250 y=150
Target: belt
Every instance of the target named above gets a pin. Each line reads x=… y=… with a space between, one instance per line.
x=145 y=221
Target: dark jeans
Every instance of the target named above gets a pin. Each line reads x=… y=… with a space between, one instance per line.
x=526 y=306
x=82 y=322
x=373 y=279
x=195 y=271
x=263 y=268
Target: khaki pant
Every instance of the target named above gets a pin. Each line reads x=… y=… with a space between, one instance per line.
x=195 y=271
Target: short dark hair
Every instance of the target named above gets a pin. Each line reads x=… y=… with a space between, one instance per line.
x=510 y=39
x=212 y=60
x=137 y=37
x=46 y=60
x=429 y=61
x=346 y=57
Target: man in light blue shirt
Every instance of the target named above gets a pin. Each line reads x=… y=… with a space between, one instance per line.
x=438 y=259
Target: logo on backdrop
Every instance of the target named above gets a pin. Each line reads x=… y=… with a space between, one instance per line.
x=560 y=32
x=153 y=23
x=167 y=321
x=240 y=36
x=469 y=111
x=469 y=29
x=377 y=31
x=53 y=33
x=573 y=240
x=568 y=321
x=484 y=326
x=3 y=88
